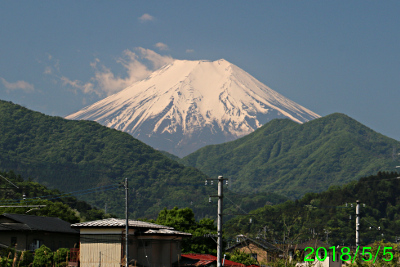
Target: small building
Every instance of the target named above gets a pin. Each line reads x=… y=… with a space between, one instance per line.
x=193 y=259
x=29 y=232
x=261 y=250
x=102 y=243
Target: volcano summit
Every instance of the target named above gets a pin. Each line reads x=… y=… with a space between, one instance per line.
x=186 y=105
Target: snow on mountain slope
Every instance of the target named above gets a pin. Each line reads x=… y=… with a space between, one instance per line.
x=189 y=104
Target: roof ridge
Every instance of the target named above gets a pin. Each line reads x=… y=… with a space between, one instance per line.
x=116 y=222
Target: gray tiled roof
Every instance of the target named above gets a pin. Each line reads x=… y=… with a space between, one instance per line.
x=166 y=232
x=36 y=223
x=259 y=242
x=113 y=222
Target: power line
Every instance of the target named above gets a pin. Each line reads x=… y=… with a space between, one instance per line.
x=8 y=181
x=68 y=194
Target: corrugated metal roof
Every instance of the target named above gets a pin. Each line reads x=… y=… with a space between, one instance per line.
x=113 y=222
x=203 y=262
x=205 y=259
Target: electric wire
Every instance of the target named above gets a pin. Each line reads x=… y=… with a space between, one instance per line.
x=68 y=194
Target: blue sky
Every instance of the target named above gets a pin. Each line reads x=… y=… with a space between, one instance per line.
x=329 y=56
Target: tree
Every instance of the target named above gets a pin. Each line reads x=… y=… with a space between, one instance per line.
x=241 y=257
x=381 y=255
x=184 y=220
x=61 y=257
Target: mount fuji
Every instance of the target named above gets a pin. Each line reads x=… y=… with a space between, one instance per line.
x=186 y=105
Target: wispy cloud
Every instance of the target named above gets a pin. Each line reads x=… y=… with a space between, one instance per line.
x=138 y=65
x=86 y=88
x=53 y=65
x=19 y=85
x=146 y=17
x=189 y=51
x=161 y=46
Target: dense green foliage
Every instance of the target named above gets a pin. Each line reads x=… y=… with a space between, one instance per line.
x=10 y=256
x=43 y=257
x=170 y=156
x=390 y=259
x=78 y=155
x=327 y=217
x=241 y=257
x=63 y=206
x=60 y=257
x=293 y=159
x=75 y=155
x=184 y=220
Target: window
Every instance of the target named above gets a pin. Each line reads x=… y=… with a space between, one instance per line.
x=35 y=244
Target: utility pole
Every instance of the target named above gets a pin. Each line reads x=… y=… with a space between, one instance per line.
x=23 y=197
x=126 y=224
x=219 y=225
x=357 y=223
x=219 y=222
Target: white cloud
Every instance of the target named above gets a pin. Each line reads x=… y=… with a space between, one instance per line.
x=53 y=65
x=156 y=60
x=189 y=51
x=19 y=85
x=138 y=66
x=146 y=17
x=161 y=46
x=86 y=88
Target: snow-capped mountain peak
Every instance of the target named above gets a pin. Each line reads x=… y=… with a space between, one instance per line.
x=186 y=105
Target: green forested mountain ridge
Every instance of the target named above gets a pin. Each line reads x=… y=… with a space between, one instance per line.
x=75 y=155
x=293 y=159
x=330 y=215
x=16 y=192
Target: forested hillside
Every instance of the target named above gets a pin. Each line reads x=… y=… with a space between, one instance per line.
x=293 y=159
x=330 y=215
x=15 y=191
x=76 y=155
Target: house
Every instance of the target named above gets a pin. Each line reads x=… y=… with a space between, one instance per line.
x=102 y=243
x=193 y=259
x=29 y=232
x=261 y=250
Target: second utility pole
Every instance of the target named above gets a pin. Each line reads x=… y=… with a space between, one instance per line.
x=357 y=223
x=219 y=223
x=126 y=224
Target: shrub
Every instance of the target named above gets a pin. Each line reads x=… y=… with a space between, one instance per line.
x=43 y=257
x=60 y=257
